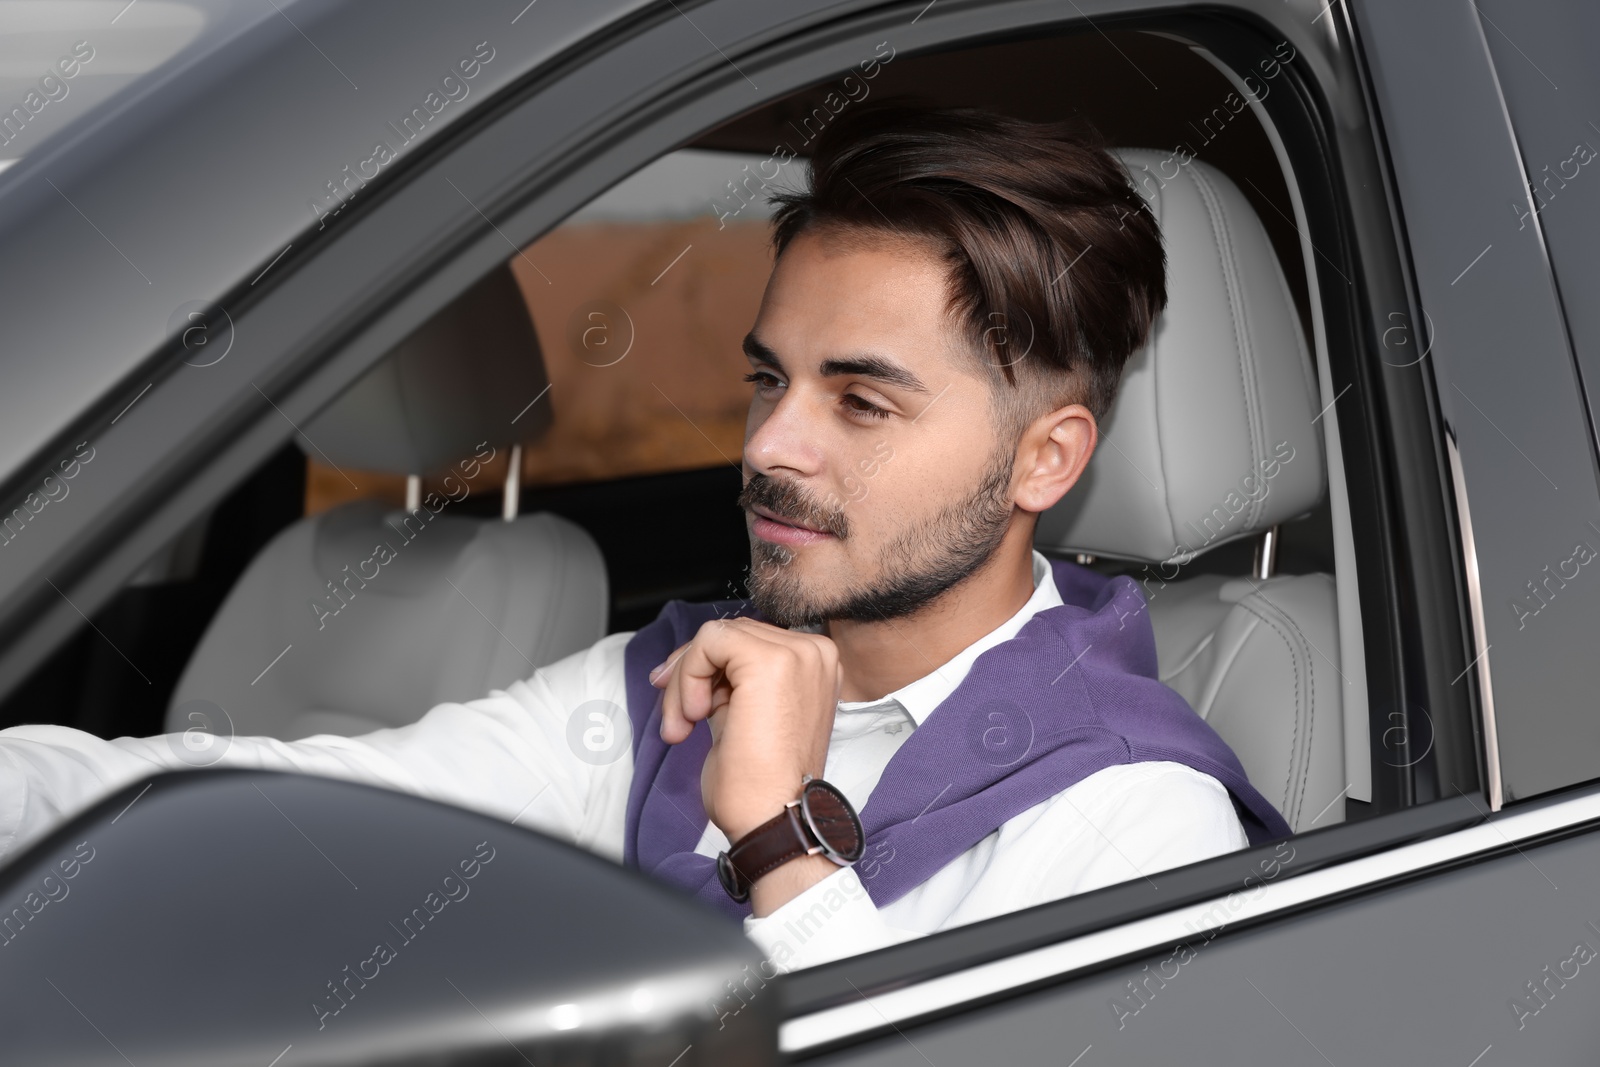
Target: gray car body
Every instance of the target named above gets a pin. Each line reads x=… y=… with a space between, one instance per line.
x=196 y=189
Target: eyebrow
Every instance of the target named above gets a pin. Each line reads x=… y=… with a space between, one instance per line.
x=865 y=365
x=759 y=352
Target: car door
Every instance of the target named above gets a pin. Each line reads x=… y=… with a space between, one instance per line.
x=1470 y=946
x=316 y=268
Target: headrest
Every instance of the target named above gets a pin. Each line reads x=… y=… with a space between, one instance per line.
x=458 y=380
x=1211 y=436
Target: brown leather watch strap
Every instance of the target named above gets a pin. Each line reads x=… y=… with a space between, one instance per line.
x=821 y=821
x=772 y=844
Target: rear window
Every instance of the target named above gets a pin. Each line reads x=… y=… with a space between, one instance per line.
x=640 y=301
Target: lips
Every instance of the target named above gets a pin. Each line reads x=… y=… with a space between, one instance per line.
x=768 y=526
x=768 y=504
x=768 y=513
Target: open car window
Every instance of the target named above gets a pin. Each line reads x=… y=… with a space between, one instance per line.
x=642 y=352
x=1282 y=633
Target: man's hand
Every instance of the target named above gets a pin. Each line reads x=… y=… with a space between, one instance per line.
x=770 y=694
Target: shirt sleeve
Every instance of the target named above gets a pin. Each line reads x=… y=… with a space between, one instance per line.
x=1121 y=823
x=508 y=754
x=826 y=921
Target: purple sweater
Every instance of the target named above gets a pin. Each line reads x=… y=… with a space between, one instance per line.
x=1074 y=692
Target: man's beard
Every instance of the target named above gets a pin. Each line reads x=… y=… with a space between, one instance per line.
x=916 y=567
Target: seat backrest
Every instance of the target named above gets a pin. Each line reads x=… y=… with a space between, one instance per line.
x=365 y=616
x=374 y=628
x=1213 y=438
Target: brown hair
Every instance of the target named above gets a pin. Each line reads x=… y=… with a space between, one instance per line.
x=1041 y=228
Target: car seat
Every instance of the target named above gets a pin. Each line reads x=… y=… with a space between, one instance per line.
x=365 y=616
x=1213 y=437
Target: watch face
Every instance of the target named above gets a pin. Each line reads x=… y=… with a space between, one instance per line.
x=833 y=821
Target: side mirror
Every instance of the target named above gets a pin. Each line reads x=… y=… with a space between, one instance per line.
x=218 y=917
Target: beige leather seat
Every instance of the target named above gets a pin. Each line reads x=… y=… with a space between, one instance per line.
x=1211 y=440
x=325 y=633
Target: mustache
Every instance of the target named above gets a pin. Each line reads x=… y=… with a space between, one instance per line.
x=792 y=503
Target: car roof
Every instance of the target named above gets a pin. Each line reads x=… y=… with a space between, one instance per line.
x=177 y=191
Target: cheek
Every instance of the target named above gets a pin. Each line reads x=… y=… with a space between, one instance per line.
x=893 y=494
x=927 y=478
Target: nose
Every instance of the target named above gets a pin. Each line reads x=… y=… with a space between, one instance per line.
x=783 y=438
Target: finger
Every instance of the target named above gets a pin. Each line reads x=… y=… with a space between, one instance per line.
x=663 y=670
x=678 y=714
x=721 y=697
x=711 y=661
x=674 y=727
x=698 y=670
x=696 y=683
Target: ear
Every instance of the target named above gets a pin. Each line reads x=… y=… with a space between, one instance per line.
x=1052 y=454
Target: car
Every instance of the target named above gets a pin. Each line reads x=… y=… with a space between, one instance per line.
x=275 y=275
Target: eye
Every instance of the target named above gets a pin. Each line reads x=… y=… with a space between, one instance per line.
x=863 y=408
x=763 y=379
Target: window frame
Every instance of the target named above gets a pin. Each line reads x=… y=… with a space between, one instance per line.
x=1545 y=738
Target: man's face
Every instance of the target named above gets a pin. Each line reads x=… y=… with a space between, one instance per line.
x=874 y=480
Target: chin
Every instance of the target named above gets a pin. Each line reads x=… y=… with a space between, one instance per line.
x=785 y=586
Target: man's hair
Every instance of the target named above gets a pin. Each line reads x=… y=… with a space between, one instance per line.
x=1055 y=263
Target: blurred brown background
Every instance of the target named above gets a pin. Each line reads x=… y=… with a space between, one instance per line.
x=676 y=401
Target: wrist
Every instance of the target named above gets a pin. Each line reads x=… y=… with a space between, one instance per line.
x=736 y=826
x=777 y=887
x=756 y=807
x=812 y=835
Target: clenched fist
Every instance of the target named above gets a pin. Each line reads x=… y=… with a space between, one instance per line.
x=770 y=694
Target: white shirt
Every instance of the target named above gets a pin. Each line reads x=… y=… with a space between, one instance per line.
x=508 y=755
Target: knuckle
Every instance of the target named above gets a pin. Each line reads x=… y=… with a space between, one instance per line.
x=824 y=651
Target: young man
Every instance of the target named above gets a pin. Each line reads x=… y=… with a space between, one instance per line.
x=951 y=306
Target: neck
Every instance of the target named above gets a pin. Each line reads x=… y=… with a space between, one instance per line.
x=879 y=657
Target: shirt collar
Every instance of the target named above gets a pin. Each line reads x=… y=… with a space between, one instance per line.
x=920 y=697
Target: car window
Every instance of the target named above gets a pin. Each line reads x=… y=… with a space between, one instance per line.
x=637 y=302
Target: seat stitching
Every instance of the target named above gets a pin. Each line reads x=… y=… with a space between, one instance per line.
x=1255 y=407
x=1301 y=346
x=1161 y=446
x=1156 y=202
x=1155 y=402
x=1194 y=654
x=1222 y=668
x=1306 y=649
x=1214 y=216
x=1294 y=740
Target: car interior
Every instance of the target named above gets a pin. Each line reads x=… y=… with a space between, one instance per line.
x=554 y=456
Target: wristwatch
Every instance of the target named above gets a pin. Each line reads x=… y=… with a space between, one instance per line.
x=818 y=822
